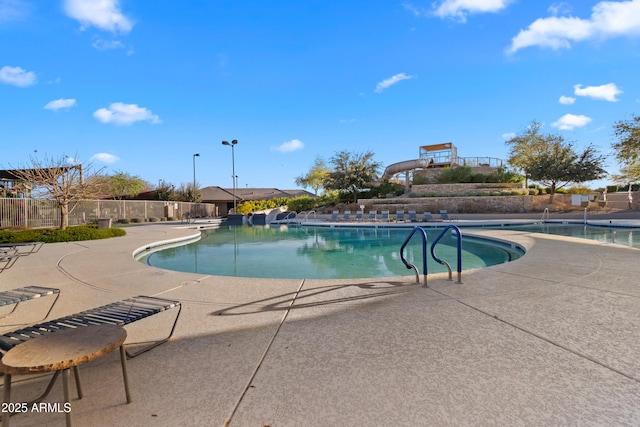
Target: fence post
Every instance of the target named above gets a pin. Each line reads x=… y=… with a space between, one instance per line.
x=26 y=212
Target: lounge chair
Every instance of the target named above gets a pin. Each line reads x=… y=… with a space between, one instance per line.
x=445 y=216
x=373 y=215
x=358 y=215
x=334 y=216
x=384 y=216
x=413 y=217
x=16 y=296
x=428 y=217
x=10 y=252
x=346 y=216
x=400 y=216
x=118 y=313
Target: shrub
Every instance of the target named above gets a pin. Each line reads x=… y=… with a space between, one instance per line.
x=420 y=180
x=458 y=174
x=302 y=203
x=124 y=221
x=50 y=235
x=136 y=220
x=579 y=190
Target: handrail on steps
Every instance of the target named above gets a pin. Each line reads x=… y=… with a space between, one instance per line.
x=424 y=254
x=459 y=248
x=545 y=211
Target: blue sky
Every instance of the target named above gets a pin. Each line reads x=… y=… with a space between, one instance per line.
x=140 y=86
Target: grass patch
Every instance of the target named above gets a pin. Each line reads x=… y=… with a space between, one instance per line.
x=51 y=235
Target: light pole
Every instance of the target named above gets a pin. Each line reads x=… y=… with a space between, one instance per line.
x=233 y=169
x=194 y=175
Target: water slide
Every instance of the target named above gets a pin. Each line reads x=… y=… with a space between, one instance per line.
x=406 y=165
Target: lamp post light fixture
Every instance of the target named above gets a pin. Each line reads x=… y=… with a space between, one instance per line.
x=233 y=169
x=194 y=176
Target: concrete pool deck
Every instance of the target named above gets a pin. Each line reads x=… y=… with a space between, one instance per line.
x=550 y=339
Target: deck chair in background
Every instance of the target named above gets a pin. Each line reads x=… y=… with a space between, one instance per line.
x=384 y=216
x=413 y=217
x=118 y=313
x=400 y=216
x=17 y=296
x=428 y=216
x=334 y=216
x=346 y=216
x=373 y=215
x=445 y=216
x=358 y=215
x=10 y=252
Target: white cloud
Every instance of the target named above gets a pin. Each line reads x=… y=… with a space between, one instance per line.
x=567 y=100
x=102 y=14
x=13 y=10
x=559 y=9
x=509 y=135
x=17 y=76
x=608 y=19
x=571 y=121
x=391 y=81
x=125 y=114
x=101 y=44
x=60 y=103
x=459 y=9
x=606 y=92
x=287 y=147
x=105 y=158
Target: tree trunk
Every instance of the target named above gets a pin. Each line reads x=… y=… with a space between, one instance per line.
x=64 y=215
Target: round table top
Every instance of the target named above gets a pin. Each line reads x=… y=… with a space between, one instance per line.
x=62 y=349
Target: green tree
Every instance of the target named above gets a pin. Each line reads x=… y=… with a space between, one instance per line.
x=559 y=164
x=165 y=191
x=316 y=176
x=352 y=171
x=122 y=185
x=627 y=149
x=524 y=147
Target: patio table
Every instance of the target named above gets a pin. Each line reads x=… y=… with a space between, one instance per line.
x=58 y=352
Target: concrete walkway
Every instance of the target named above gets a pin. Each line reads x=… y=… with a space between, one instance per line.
x=550 y=339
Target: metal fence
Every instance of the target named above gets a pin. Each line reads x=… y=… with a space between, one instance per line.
x=480 y=161
x=33 y=213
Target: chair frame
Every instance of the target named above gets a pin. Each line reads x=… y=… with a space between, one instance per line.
x=119 y=313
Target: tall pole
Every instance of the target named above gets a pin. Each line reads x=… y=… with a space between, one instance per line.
x=233 y=169
x=194 y=176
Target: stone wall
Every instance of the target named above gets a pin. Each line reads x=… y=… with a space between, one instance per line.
x=465 y=189
x=473 y=204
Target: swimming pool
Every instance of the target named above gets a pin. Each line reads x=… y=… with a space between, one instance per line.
x=320 y=252
x=626 y=236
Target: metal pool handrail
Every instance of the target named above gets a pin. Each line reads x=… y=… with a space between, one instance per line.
x=545 y=211
x=424 y=254
x=306 y=215
x=459 y=247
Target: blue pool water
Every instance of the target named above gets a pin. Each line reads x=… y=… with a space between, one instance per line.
x=320 y=253
x=621 y=236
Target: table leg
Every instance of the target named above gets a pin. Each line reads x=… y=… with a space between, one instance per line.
x=76 y=373
x=7 y=399
x=123 y=360
x=65 y=389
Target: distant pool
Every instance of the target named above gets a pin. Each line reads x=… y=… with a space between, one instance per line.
x=320 y=253
x=604 y=234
